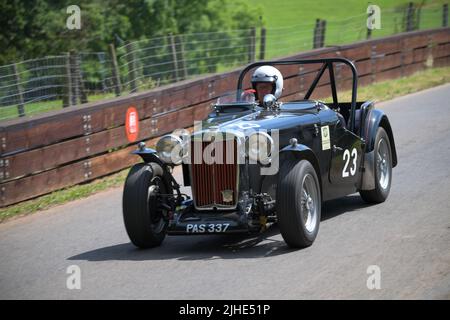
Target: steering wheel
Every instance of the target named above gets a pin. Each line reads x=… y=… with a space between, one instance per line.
x=246 y=95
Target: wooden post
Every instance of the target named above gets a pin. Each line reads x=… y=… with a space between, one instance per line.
x=115 y=70
x=262 y=44
x=131 y=68
x=174 y=57
x=20 y=101
x=416 y=25
x=445 y=15
x=409 y=17
x=67 y=99
x=78 y=93
x=101 y=60
x=323 y=26
x=315 y=34
x=83 y=96
x=73 y=79
x=179 y=44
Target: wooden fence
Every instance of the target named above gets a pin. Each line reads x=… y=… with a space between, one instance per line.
x=51 y=151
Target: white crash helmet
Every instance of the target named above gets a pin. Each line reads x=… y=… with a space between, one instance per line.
x=269 y=74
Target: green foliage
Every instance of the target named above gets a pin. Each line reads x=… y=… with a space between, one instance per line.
x=38 y=27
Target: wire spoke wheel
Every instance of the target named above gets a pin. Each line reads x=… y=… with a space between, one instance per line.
x=309 y=200
x=382 y=169
x=156 y=211
x=298 y=203
x=383 y=162
x=144 y=205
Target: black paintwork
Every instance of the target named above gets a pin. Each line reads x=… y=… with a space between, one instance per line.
x=352 y=125
x=303 y=120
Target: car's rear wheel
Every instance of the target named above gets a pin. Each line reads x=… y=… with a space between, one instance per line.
x=298 y=203
x=144 y=212
x=382 y=169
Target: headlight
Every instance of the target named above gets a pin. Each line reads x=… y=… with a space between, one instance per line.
x=170 y=149
x=259 y=147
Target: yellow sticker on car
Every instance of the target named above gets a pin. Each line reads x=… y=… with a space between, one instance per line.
x=325 y=138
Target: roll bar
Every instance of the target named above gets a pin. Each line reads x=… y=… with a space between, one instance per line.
x=327 y=63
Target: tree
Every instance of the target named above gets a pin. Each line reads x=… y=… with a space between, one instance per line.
x=38 y=27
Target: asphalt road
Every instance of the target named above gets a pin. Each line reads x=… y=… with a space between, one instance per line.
x=408 y=237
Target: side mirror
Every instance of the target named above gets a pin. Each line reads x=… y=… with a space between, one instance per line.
x=269 y=101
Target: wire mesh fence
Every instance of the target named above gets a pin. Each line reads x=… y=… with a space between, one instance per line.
x=31 y=82
x=54 y=82
x=148 y=63
x=96 y=72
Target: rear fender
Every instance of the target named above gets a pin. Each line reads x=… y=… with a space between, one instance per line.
x=374 y=119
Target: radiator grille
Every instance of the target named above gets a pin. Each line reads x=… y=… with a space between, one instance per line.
x=214 y=184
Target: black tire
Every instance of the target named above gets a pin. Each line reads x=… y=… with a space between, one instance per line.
x=382 y=183
x=290 y=204
x=143 y=217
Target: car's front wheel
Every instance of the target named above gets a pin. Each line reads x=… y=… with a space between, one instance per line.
x=298 y=203
x=143 y=207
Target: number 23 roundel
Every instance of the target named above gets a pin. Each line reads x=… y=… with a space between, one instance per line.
x=350 y=158
x=132 y=124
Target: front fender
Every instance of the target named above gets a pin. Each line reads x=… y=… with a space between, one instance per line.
x=149 y=155
x=300 y=151
x=295 y=148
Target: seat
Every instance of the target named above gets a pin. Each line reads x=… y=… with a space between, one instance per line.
x=341 y=119
x=357 y=120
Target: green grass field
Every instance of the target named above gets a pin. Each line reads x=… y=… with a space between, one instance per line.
x=290 y=12
x=290 y=23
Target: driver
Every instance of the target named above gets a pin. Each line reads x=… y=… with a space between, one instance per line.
x=267 y=80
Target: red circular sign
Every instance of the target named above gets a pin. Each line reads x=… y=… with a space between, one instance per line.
x=132 y=124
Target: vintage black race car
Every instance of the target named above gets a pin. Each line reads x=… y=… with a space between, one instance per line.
x=253 y=164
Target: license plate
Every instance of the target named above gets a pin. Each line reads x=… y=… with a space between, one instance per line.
x=207 y=228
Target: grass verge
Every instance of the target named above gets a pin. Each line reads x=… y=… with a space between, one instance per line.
x=63 y=196
x=380 y=91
